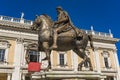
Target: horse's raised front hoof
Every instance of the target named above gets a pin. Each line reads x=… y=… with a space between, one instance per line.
x=46 y=58
x=53 y=47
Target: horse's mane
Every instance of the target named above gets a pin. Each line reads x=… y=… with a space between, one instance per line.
x=48 y=18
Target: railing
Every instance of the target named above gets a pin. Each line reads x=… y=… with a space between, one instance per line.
x=103 y=34
x=98 y=33
x=16 y=20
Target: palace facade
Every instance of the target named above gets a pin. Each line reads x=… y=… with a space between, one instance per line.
x=15 y=37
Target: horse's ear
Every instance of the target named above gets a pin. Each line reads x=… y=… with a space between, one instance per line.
x=36 y=15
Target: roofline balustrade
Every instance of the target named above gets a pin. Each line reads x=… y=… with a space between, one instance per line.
x=16 y=20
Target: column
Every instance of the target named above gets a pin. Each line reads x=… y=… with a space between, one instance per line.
x=16 y=75
x=8 y=76
x=117 y=64
x=97 y=60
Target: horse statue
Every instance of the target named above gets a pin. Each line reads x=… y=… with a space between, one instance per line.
x=66 y=40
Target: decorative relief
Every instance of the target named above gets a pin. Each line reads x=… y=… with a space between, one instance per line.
x=19 y=40
x=4 y=44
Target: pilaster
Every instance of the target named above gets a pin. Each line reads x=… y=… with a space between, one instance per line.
x=97 y=60
x=16 y=75
x=51 y=58
x=116 y=64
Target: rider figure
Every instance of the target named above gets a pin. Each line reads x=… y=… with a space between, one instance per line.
x=63 y=23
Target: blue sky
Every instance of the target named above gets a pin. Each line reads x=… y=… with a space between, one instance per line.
x=102 y=14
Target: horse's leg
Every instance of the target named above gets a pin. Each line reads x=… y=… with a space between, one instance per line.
x=48 y=52
x=46 y=48
x=49 y=59
x=90 y=64
x=81 y=54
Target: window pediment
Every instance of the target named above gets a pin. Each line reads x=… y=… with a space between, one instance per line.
x=105 y=54
x=4 y=44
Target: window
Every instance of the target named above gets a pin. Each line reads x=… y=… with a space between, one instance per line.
x=61 y=59
x=2 y=55
x=106 y=59
x=106 y=62
x=34 y=56
x=86 y=64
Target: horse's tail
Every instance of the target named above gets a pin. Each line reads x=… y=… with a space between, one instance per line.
x=91 y=41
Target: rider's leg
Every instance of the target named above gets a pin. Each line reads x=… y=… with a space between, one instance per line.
x=54 y=39
x=56 y=31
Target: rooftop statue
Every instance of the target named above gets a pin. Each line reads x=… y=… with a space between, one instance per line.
x=61 y=35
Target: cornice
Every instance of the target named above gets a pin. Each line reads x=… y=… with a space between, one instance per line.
x=101 y=45
x=105 y=39
x=13 y=24
x=16 y=35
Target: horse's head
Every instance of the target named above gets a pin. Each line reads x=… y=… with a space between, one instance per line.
x=37 y=22
x=42 y=22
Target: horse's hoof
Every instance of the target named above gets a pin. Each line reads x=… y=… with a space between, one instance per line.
x=47 y=69
x=46 y=58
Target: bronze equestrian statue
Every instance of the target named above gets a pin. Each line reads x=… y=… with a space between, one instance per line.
x=61 y=35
